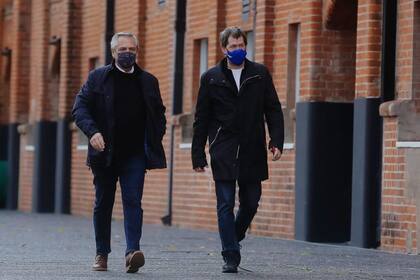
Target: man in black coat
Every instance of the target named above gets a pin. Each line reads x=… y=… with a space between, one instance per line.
x=234 y=99
x=120 y=110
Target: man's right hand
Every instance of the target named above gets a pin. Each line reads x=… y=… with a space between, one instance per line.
x=199 y=169
x=97 y=142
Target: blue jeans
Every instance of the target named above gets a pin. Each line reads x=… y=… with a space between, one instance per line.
x=232 y=229
x=130 y=173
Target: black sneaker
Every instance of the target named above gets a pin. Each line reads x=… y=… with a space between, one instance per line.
x=232 y=260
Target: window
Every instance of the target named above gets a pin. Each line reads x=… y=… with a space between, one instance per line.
x=293 y=66
x=161 y=2
x=82 y=140
x=94 y=63
x=55 y=42
x=293 y=79
x=203 y=56
x=7 y=63
x=250 y=45
x=200 y=63
x=53 y=84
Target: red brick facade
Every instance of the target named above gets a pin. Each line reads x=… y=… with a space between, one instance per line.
x=339 y=59
x=400 y=204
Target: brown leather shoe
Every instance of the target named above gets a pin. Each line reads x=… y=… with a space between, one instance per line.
x=101 y=263
x=134 y=261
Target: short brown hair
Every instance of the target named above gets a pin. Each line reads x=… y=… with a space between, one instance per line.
x=235 y=32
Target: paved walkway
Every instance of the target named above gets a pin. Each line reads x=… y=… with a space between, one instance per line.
x=47 y=246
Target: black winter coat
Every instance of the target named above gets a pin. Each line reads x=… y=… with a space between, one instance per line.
x=93 y=112
x=234 y=122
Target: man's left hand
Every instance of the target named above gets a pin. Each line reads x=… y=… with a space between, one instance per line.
x=276 y=153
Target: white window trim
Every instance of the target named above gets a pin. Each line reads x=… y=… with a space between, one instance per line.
x=408 y=144
x=298 y=57
x=185 y=145
x=204 y=49
x=29 y=148
x=288 y=146
x=82 y=147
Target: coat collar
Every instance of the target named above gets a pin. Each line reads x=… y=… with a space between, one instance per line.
x=111 y=67
x=248 y=68
x=248 y=71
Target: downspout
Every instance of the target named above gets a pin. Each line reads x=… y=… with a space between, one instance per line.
x=109 y=29
x=180 y=23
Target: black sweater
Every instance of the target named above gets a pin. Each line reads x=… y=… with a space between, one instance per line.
x=130 y=115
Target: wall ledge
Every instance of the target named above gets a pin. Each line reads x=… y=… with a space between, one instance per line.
x=395 y=108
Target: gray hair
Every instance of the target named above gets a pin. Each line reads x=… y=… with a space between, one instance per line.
x=235 y=32
x=114 y=40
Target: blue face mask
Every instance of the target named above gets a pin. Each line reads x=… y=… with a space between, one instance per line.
x=237 y=56
x=126 y=59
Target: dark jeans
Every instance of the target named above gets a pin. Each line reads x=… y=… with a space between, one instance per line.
x=130 y=172
x=232 y=229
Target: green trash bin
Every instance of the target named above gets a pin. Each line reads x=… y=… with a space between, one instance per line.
x=3 y=182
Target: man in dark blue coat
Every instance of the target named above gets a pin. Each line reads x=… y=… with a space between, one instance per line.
x=235 y=100
x=120 y=110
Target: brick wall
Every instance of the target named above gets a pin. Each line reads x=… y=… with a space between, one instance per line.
x=400 y=201
x=39 y=107
x=19 y=92
x=70 y=79
x=399 y=212
x=368 y=58
x=25 y=177
x=19 y=81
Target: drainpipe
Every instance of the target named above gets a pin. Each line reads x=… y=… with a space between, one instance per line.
x=177 y=95
x=109 y=29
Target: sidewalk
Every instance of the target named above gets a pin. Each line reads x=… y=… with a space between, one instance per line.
x=47 y=246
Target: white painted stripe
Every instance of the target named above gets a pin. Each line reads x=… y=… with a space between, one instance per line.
x=185 y=145
x=408 y=144
x=82 y=147
x=30 y=148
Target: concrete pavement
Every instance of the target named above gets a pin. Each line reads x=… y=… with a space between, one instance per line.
x=48 y=246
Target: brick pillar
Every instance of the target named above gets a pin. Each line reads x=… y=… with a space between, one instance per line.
x=69 y=85
x=141 y=30
x=19 y=87
x=219 y=20
x=311 y=55
x=39 y=61
x=264 y=43
x=367 y=127
x=41 y=111
x=368 y=57
x=406 y=50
